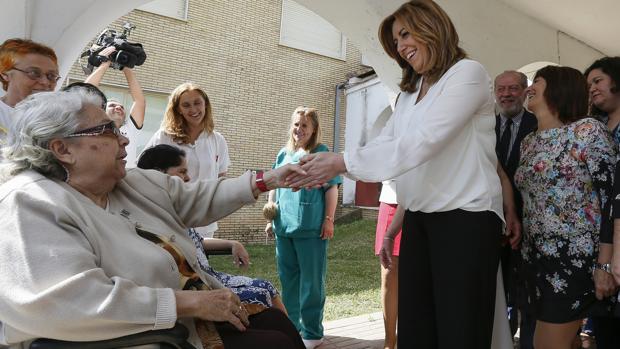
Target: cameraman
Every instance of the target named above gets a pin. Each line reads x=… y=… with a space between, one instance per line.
x=116 y=110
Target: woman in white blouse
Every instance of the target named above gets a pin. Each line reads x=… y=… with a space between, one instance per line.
x=439 y=146
x=188 y=124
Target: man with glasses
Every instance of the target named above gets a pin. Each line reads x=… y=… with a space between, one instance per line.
x=513 y=123
x=26 y=67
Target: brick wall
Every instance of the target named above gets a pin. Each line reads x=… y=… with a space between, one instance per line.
x=230 y=47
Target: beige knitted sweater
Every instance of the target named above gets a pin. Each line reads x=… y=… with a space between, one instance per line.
x=74 y=271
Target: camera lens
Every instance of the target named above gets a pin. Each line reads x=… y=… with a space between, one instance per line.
x=126 y=59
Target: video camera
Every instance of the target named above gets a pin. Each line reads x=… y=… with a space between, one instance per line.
x=127 y=54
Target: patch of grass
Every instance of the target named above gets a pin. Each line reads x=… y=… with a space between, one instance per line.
x=353 y=280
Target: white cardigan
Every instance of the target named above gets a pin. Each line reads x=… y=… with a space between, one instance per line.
x=441 y=151
x=71 y=270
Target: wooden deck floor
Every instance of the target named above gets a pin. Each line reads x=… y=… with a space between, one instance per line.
x=359 y=332
x=366 y=332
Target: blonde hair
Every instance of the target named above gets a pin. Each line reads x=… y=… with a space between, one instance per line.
x=313 y=115
x=430 y=25
x=174 y=124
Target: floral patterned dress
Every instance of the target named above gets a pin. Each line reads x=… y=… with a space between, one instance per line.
x=565 y=177
x=249 y=290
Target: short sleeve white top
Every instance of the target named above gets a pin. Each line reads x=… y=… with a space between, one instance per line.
x=130 y=131
x=388 y=193
x=6 y=121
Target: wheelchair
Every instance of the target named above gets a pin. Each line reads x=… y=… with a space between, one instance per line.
x=173 y=338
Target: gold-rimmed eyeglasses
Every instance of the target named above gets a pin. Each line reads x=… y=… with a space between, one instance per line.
x=99 y=130
x=36 y=74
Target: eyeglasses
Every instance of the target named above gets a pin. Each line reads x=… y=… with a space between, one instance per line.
x=36 y=74
x=107 y=129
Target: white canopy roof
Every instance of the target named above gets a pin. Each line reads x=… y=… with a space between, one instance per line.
x=67 y=25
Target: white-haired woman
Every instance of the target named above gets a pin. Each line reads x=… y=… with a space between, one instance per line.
x=81 y=254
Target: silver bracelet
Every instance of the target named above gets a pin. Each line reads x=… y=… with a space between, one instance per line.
x=389 y=238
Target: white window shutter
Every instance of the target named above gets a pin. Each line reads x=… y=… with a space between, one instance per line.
x=305 y=30
x=169 y=8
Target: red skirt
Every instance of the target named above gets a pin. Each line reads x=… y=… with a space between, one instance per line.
x=386 y=214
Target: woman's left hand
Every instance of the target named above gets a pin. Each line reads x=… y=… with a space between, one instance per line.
x=385 y=254
x=615 y=268
x=240 y=255
x=604 y=284
x=327 y=231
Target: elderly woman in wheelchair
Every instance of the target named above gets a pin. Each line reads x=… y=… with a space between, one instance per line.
x=90 y=251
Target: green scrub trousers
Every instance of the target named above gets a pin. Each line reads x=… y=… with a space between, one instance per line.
x=302 y=266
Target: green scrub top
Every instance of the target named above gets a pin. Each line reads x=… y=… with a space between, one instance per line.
x=300 y=213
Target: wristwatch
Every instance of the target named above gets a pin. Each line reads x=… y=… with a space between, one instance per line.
x=606 y=267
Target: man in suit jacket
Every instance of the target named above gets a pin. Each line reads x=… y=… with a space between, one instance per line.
x=513 y=123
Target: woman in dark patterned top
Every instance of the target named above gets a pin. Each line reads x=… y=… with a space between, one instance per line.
x=565 y=177
x=603 y=77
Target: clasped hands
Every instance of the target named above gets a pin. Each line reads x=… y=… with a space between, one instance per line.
x=312 y=171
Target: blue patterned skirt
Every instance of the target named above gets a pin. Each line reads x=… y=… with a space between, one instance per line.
x=249 y=290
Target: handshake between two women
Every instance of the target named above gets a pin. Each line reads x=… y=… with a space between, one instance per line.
x=314 y=170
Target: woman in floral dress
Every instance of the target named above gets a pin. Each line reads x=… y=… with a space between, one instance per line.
x=565 y=177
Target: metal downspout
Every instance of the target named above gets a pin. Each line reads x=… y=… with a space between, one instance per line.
x=339 y=87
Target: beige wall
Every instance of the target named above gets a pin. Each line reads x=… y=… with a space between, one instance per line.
x=230 y=47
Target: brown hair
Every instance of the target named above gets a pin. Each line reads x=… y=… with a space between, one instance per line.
x=566 y=92
x=313 y=115
x=174 y=124
x=611 y=67
x=11 y=49
x=430 y=25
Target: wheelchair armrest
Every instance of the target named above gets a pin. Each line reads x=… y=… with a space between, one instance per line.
x=222 y=252
x=173 y=338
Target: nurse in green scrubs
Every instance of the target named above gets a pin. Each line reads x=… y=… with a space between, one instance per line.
x=303 y=225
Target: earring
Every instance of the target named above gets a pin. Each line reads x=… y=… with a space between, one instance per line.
x=67 y=174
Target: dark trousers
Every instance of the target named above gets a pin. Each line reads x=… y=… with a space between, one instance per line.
x=606 y=332
x=269 y=329
x=447 y=278
x=526 y=333
x=511 y=267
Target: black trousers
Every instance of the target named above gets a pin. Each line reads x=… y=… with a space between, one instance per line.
x=606 y=332
x=447 y=278
x=268 y=329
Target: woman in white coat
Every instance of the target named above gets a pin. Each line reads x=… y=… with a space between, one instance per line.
x=188 y=124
